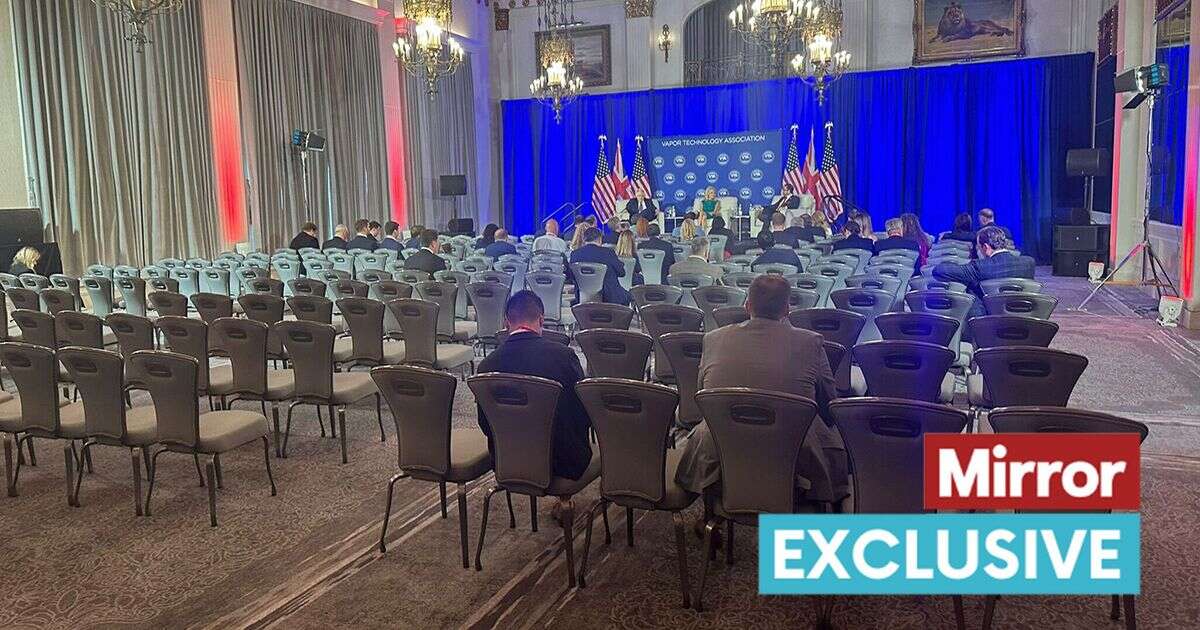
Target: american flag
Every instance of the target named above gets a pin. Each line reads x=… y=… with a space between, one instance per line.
x=641 y=181
x=604 y=193
x=792 y=174
x=829 y=182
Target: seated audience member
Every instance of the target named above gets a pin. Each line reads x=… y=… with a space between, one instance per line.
x=988 y=217
x=427 y=258
x=306 y=238
x=363 y=240
x=614 y=230
x=375 y=230
x=895 y=238
x=819 y=220
x=853 y=238
x=488 y=237
x=641 y=228
x=499 y=246
x=806 y=230
x=767 y=352
x=414 y=241
x=571 y=232
x=718 y=229
x=963 y=230
x=776 y=254
x=527 y=352
x=641 y=207
x=25 y=261
x=914 y=231
x=655 y=241
x=778 y=231
x=697 y=262
x=392 y=240
x=550 y=241
x=593 y=252
x=996 y=260
x=865 y=229
x=341 y=235
x=688 y=230
x=626 y=248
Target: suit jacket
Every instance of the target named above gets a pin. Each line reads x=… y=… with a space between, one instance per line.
x=610 y=237
x=498 y=249
x=336 y=241
x=896 y=242
x=780 y=255
x=426 y=261
x=303 y=240
x=413 y=243
x=613 y=292
x=968 y=236
x=363 y=241
x=391 y=243
x=855 y=242
x=999 y=265
x=809 y=234
x=647 y=210
x=531 y=355
x=785 y=237
x=691 y=264
x=662 y=246
x=791 y=202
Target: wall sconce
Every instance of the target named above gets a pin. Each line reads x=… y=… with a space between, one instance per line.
x=664 y=42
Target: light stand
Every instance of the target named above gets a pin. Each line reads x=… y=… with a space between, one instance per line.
x=1157 y=275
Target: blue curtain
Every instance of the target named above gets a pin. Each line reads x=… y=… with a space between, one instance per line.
x=935 y=141
x=1169 y=138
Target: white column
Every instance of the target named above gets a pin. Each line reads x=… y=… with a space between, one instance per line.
x=640 y=47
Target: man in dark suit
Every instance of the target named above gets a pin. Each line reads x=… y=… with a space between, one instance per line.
x=392 y=240
x=340 y=234
x=655 y=242
x=788 y=200
x=500 y=246
x=895 y=238
x=718 y=229
x=776 y=255
x=988 y=217
x=527 y=352
x=996 y=260
x=778 y=231
x=306 y=238
x=641 y=207
x=414 y=241
x=854 y=239
x=363 y=240
x=594 y=252
x=806 y=231
x=426 y=259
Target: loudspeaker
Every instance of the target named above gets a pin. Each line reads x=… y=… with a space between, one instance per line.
x=1081 y=238
x=1074 y=264
x=1072 y=216
x=20 y=226
x=461 y=226
x=452 y=185
x=1089 y=162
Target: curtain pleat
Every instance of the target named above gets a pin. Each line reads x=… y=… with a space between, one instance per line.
x=117 y=141
x=305 y=68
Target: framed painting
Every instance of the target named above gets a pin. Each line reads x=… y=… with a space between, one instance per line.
x=593 y=53
x=958 y=30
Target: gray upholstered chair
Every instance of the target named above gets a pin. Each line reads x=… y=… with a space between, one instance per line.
x=1024 y=375
x=133 y=294
x=591 y=315
x=838 y=326
x=615 y=353
x=802 y=298
x=490 y=299
x=418 y=319
x=956 y=306
x=633 y=423
x=445 y=295
x=168 y=303
x=366 y=345
x=1036 y=305
x=689 y=282
x=647 y=294
x=651 y=261
x=37 y=411
x=903 y=369
x=212 y=306
x=188 y=336
x=549 y=288
x=36 y=327
x=71 y=285
x=866 y=302
x=730 y=315
x=661 y=319
x=268 y=309
x=926 y=327
x=100 y=292
x=20 y=298
x=589 y=280
x=683 y=351
x=171 y=379
x=821 y=285
x=1010 y=285
x=710 y=298
x=990 y=331
x=57 y=300
x=246 y=377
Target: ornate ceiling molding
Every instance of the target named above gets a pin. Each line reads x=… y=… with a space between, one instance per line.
x=639 y=8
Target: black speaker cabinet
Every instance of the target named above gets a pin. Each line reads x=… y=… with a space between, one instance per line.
x=1089 y=162
x=20 y=226
x=461 y=226
x=1074 y=264
x=1072 y=216
x=1081 y=238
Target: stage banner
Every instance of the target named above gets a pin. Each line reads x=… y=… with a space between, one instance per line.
x=746 y=165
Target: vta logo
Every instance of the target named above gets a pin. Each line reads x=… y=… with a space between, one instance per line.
x=723 y=159
x=768 y=192
x=768 y=156
x=756 y=175
x=711 y=177
x=745 y=157
x=659 y=161
x=680 y=160
x=669 y=178
x=735 y=176
x=701 y=160
x=680 y=194
x=745 y=193
x=689 y=177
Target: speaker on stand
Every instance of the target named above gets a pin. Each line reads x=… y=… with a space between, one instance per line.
x=455 y=186
x=1077 y=242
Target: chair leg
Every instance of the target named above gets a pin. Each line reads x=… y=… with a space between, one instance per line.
x=568 y=525
x=287 y=427
x=387 y=510
x=87 y=459
x=379 y=415
x=220 y=476
x=681 y=553
x=332 y=427
x=729 y=543
x=989 y=609
x=960 y=620
x=267 y=458
x=10 y=486
x=442 y=494
x=533 y=517
x=69 y=462
x=153 y=468
x=461 y=494
x=275 y=426
x=32 y=455
x=196 y=459
x=607 y=531
x=1130 y=612
x=629 y=526
x=86 y=452
x=487 y=501
x=210 y=468
x=136 y=460
x=1115 y=613
x=321 y=420
x=342 y=429
x=708 y=542
x=587 y=539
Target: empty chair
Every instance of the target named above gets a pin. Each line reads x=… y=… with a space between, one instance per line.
x=188 y=279
x=520 y=412
x=20 y=298
x=633 y=423
x=345 y=288
x=168 y=303
x=445 y=295
x=494 y=276
x=34 y=281
x=651 y=261
x=342 y=261
x=247 y=274
x=37 y=411
x=905 y=369
x=922 y=283
x=286 y=270
x=153 y=272
x=769 y=426
x=802 y=298
x=841 y=327
x=489 y=299
x=133 y=333
x=419 y=321
x=589 y=281
x=422 y=405
x=100 y=292
x=515 y=268
x=212 y=306
x=834 y=271
x=866 y=302
x=69 y=284
x=647 y=294
x=821 y=285
x=172 y=381
x=739 y=279
x=99 y=271
x=730 y=315
x=187 y=336
x=171 y=263
x=710 y=298
x=313 y=266
x=1010 y=285
x=311 y=308
x=883 y=283
x=689 y=282
x=1036 y=305
x=9 y=281
x=662 y=319
x=37 y=327
x=369 y=261
x=989 y=331
x=1024 y=375
x=371 y=276
x=386 y=291
x=310 y=346
x=247 y=377
x=72 y=328
x=57 y=300
x=902 y=271
x=684 y=351
x=306 y=286
x=133 y=293
x=926 y=327
x=956 y=306
x=460 y=280
x=598 y=315
x=218 y=280
x=264 y=286
x=163 y=284
x=615 y=353
x=413 y=276
x=366 y=346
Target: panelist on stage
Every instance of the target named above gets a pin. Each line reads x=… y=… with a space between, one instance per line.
x=641 y=206
x=710 y=205
x=788 y=203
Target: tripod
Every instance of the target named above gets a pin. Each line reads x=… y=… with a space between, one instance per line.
x=1154 y=274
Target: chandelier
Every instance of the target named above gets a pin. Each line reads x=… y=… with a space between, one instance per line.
x=557 y=85
x=773 y=25
x=426 y=47
x=827 y=61
x=137 y=14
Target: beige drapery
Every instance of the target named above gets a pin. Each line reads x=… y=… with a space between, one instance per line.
x=117 y=141
x=305 y=68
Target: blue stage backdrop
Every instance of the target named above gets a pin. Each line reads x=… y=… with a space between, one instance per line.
x=933 y=140
x=748 y=166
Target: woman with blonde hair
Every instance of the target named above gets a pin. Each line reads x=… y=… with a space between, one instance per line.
x=577 y=237
x=819 y=220
x=25 y=261
x=642 y=227
x=627 y=248
x=687 y=231
x=864 y=225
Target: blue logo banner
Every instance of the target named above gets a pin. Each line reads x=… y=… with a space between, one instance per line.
x=949 y=554
x=747 y=165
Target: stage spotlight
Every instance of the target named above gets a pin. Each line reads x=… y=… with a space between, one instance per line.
x=1142 y=81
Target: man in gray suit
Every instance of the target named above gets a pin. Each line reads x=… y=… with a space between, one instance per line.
x=767 y=352
x=697 y=262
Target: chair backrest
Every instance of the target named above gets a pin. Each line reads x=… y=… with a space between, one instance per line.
x=287 y=269
x=34 y=369
x=263 y=307
x=69 y=284
x=188 y=279
x=1033 y=419
x=866 y=302
x=133 y=292
x=662 y=319
x=168 y=303
x=598 y=315
x=460 y=280
x=155 y=273
x=100 y=291
x=419 y=321
x=490 y=299
x=648 y=294
x=867 y=281
x=549 y=288
x=311 y=308
x=520 y=411
x=310 y=346
x=922 y=283
x=904 y=369
x=212 y=306
x=885 y=441
x=633 y=424
x=990 y=331
x=173 y=380
x=652 y=265
x=37 y=328
x=758 y=435
x=683 y=351
x=345 y=288
x=838 y=326
x=615 y=353
x=838 y=272
x=515 y=268
x=1010 y=285
x=99 y=271
x=245 y=341
x=821 y=285
x=342 y=261
x=710 y=298
x=589 y=279
x=99 y=377
x=265 y=286
x=730 y=315
x=779 y=269
x=1037 y=305
x=57 y=300
x=34 y=281
x=72 y=328
x=386 y=290
x=926 y=327
x=422 y=405
x=364 y=317
x=24 y=299
x=187 y=336
x=133 y=332
x=9 y=281
x=445 y=295
x=802 y=298
x=306 y=286
x=413 y=276
x=739 y=279
x=1026 y=375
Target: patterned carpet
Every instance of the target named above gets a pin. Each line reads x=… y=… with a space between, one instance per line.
x=307 y=558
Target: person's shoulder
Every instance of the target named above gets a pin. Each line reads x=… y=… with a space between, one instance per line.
x=807 y=338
